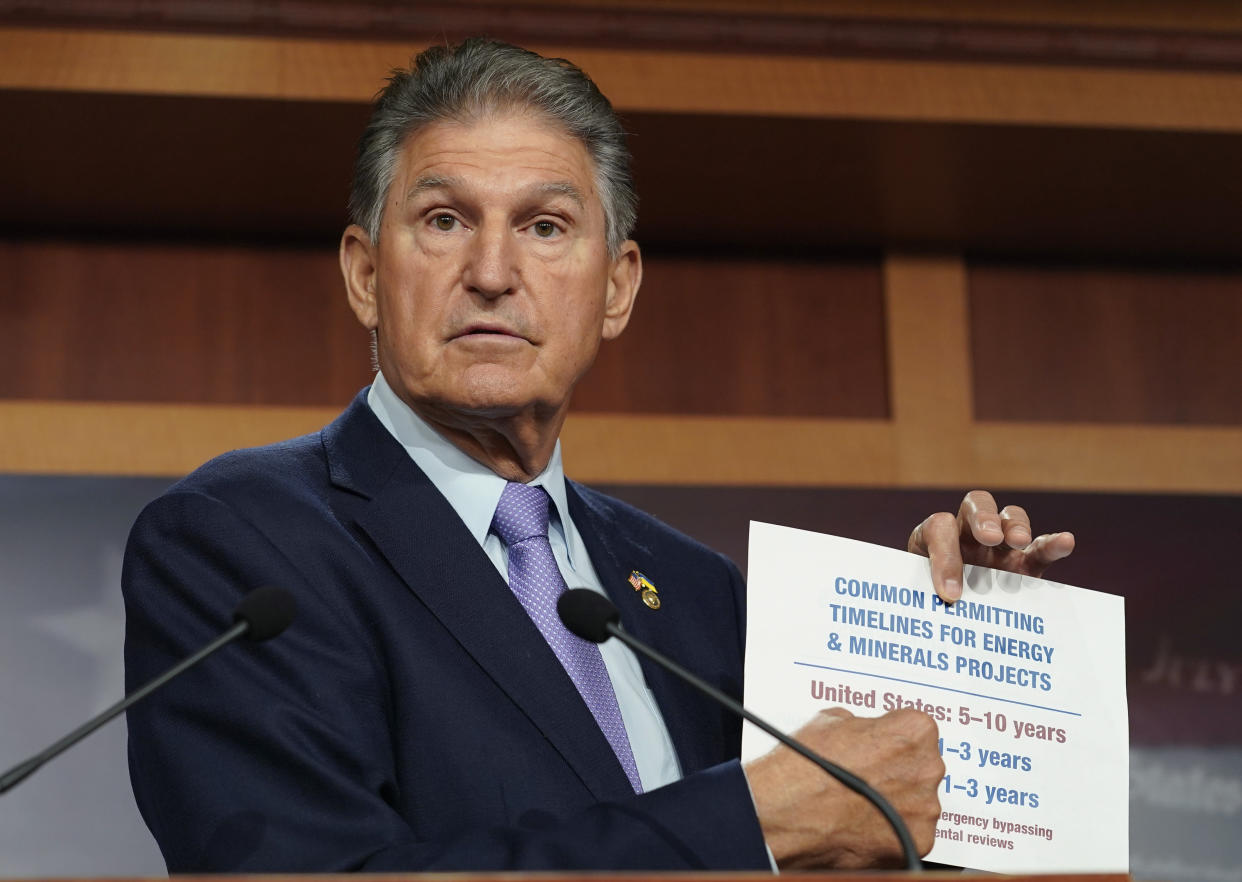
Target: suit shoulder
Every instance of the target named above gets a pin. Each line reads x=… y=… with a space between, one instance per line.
x=261 y=475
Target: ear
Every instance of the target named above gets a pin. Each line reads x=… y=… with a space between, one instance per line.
x=358 y=266
x=623 y=282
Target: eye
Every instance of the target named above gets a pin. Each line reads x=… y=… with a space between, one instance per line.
x=544 y=229
x=444 y=222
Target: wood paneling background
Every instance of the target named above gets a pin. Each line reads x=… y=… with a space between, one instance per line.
x=253 y=170
x=1102 y=344
x=900 y=244
x=748 y=338
x=210 y=324
x=178 y=324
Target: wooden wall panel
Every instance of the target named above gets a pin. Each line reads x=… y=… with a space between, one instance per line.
x=1106 y=345
x=638 y=80
x=748 y=337
x=255 y=170
x=229 y=325
x=176 y=323
x=1125 y=34
x=749 y=370
x=138 y=166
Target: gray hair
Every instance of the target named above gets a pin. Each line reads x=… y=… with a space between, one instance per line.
x=464 y=82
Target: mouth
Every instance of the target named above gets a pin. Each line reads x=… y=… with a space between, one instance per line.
x=485 y=329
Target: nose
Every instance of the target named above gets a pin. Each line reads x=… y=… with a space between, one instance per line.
x=490 y=269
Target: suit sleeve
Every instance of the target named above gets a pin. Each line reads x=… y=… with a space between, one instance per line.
x=275 y=757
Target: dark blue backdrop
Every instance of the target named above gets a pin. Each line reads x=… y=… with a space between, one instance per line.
x=1174 y=558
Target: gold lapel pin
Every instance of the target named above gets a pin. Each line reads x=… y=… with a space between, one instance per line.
x=646 y=590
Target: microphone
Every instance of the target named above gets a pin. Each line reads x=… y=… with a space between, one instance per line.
x=261 y=615
x=592 y=616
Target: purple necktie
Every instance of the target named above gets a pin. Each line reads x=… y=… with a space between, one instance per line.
x=521 y=522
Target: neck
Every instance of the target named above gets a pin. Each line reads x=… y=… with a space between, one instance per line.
x=516 y=447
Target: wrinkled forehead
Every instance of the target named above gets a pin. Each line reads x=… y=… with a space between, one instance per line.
x=501 y=152
x=515 y=121
x=432 y=182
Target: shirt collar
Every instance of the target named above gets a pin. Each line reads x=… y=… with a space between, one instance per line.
x=471 y=488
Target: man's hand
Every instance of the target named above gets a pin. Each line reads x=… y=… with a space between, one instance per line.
x=983 y=536
x=809 y=820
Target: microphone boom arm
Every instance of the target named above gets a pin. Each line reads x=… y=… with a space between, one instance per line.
x=21 y=772
x=850 y=780
x=261 y=615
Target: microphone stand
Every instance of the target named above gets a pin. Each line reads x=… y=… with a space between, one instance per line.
x=24 y=770
x=850 y=780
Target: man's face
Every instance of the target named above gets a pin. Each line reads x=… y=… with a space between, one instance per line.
x=491 y=285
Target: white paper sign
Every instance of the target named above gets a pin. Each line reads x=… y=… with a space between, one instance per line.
x=1024 y=677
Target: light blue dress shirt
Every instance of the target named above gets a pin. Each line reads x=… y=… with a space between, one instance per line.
x=473 y=490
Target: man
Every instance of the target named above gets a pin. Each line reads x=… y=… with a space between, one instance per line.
x=421 y=714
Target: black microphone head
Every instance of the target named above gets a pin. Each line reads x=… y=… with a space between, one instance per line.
x=267 y=610
x=587 y=614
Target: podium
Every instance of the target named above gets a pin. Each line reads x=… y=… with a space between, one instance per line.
x=867 y=876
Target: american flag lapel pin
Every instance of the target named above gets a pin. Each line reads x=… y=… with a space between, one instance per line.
x=646 y=591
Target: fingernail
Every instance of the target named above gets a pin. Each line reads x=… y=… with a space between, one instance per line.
x=953 y=589
x=988 y=524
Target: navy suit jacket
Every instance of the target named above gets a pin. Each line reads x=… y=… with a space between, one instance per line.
x=412 y=717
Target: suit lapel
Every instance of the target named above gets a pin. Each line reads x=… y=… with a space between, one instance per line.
x=692 y=720
x=425 y=542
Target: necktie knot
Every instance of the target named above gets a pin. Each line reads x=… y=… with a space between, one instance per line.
x=521 y=513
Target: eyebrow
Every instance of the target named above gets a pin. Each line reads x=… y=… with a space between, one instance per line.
x=561 y=188
x=450 y=182
x=432 y=182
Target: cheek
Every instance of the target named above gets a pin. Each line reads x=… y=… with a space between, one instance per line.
x=581 y=283
x=408 y=295
x=581 y=330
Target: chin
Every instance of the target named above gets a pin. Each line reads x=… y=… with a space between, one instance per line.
x=500 y=396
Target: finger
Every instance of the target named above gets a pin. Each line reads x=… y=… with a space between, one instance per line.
x=1046 y=550
x=918 y=542
x=938 y=539
x=1017 y=526
x=978 y=519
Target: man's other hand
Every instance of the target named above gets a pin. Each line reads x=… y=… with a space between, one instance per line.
x=983 y=536
x=810 y=820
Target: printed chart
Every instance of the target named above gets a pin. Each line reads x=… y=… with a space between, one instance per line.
x=1024 y=677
